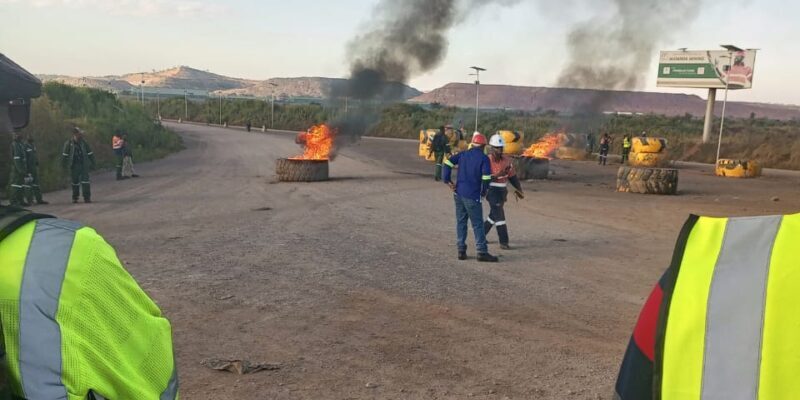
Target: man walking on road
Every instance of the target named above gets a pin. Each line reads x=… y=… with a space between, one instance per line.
x=438 y=149
x=79 y=158
x=34 y=191
x=502 y=174
x=474 y=175
x=19 y=171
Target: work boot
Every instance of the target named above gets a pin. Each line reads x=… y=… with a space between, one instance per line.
x=505 y=246
x=486 y=257
x=87 y=200
x=462 y=255
x=74 y=201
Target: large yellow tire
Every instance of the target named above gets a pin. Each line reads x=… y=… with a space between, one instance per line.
x=648 y=145
x=738 y=168
x=647 y=180
x=514 y=142
x=425 y=139
x=647 y=160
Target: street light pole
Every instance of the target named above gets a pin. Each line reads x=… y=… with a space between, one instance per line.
x=272 y=117
x=220 y=109
x=477 y=75
x=185 y=105
x=141 y=89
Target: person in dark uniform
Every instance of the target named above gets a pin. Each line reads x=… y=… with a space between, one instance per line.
x=34 y=191
x=438 y=150
x=79 y=158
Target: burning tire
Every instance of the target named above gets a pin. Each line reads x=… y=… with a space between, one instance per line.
x=531 y=168
x=295 y=170
x=647 y=180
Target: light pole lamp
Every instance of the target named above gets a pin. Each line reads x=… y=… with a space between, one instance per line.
x=731 y=49
x=477 y=75
x=272 y=114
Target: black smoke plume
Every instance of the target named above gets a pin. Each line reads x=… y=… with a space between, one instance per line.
x=407 y=38
x=616 y=53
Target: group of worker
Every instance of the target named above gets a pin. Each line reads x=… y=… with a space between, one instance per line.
x=77 y=157
x=605 y=146
x=480 y=176
x=123 y=155
x=24 y=180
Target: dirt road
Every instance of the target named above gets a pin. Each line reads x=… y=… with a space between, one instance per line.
x=353 y=285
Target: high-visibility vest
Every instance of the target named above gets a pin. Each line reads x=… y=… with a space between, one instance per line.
x=724 y=320
x=73 y=320
x=626 y=143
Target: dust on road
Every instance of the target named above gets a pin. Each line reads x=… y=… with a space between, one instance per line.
x=353 y=286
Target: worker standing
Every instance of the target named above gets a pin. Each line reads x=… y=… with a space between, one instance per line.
x=438 y=149
x=127 y=159
x=502 y=174
x=79 y=158
x=118 y=147
x=605 y=146
x=626 y=148
x=34 y=191
x=474 y=176
x=74 y=324
x=19 y=171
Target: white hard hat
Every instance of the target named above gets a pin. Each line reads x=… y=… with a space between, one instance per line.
x=475 y=133
x=497 y=141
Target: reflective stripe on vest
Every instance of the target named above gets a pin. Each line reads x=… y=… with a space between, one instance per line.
x=732 y=325
x=39 y=334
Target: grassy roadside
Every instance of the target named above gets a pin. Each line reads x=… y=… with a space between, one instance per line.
x=99 y=114
x=776 y=144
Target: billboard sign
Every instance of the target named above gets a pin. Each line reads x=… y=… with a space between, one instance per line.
x=706 y=69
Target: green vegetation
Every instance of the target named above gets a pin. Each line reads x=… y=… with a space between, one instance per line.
x=99 y=114
x=775 y=143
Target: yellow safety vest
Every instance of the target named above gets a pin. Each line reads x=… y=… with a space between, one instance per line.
x=730 y=325
x=74 y=321
x=626 y=143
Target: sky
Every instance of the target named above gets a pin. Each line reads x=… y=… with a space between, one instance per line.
x=524 y=44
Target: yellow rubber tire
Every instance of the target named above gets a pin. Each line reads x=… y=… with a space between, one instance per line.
x=738 y=168
x=648 y=145
x=647 y=160
x=514 y=142
x=425 y=140
x=647 y=180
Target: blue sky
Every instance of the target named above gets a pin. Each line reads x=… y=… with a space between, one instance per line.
x=521 y=45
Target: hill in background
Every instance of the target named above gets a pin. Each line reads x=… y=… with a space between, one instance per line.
x=569 y=101
x=561 y=100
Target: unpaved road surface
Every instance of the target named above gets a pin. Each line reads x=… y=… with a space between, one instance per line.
x=353 y=286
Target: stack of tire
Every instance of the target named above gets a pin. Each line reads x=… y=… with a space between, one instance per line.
x=648 y=152
x=738 y=168
x=647 y=180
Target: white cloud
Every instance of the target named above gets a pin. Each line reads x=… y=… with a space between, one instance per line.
x=138 y=8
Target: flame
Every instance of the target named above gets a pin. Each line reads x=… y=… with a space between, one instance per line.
x=547 y=146
x=318 y=141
